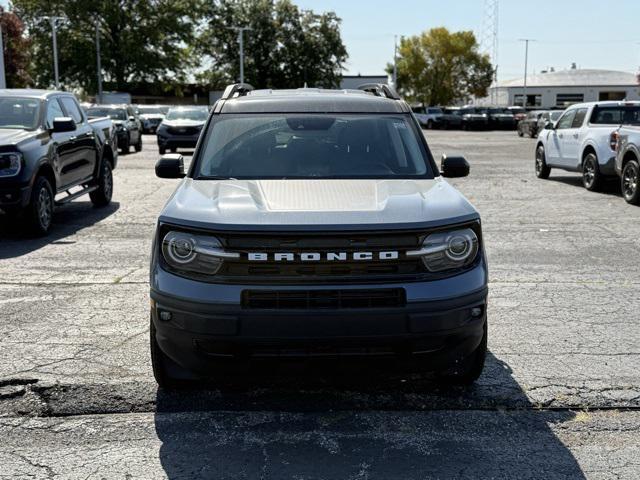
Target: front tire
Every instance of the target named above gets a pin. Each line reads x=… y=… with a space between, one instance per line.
x=102 y=196
x=138 y=146
x=39 y=213
x=127 y=146
x=168 y=374
x=162 y=150
x=542 y=170
x=630 y=182
x=591 y=176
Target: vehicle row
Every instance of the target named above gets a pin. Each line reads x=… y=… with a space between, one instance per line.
x=600 y=140
x=469 y=117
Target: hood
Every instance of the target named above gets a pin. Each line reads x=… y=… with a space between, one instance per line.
x=13 y=136
x=320 y=204
x=183 y=123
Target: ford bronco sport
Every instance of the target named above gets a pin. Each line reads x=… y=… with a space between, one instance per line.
x=315 y=224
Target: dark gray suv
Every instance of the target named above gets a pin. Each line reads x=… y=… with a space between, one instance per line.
x=315 y=224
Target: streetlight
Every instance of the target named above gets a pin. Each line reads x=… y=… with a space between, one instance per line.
x=526 y=60
x=3 y=83
x=98 y=64
x=240 y=31
x=52 y=21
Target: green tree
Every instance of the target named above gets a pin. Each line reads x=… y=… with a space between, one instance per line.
x=285 y=48
x=439 y=67
x=16 y=50
x=141 y=40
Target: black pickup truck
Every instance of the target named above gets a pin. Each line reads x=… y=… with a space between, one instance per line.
x=51 y=154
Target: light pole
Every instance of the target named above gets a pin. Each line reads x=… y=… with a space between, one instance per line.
x=240 y=31
x=526 y=61
x=98 y=64
x=52 y=21
x=395 y=61
x=3 y=83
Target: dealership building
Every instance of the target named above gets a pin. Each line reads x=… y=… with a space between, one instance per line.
x=558 y=89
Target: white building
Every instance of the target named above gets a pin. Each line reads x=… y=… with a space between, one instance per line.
x=562 y=88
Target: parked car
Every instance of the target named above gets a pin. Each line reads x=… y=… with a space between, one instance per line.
x=500 y=118
x=451 y=118
x=580 y=141
x=181 y=128
x=519 y=113
x=47 y=148
x=151 y=116
x=428 y=117
x=536 y=120
x=474 y=118
x=127 y=122
x=627 y=144
x=316 y=224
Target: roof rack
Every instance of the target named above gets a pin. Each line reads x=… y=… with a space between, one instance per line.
x=237 y=89
x=380 y=90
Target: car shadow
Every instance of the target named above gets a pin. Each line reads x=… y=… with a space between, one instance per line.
x=344 y=424
x=15 y=240
x=610 y=186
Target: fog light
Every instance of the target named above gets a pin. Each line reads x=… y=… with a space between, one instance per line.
x=165 y=316
x=476 y=312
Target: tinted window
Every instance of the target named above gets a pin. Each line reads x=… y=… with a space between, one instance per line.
x=54 y=110
x=71 y=108
x=578 y=120
x=313 y=146
x=19 y=112
x=614 y=115
x=567 y=119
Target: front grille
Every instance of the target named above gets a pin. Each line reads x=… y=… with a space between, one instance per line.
x=323 y=299
x=183 y=130
x=322 y=270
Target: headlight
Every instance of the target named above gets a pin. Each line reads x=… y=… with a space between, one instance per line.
x=448 y=250
x=10 y=164
x=189 y=252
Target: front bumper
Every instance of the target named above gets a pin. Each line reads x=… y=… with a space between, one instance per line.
x=14 y=196
x=177 y=141
x=209 y=330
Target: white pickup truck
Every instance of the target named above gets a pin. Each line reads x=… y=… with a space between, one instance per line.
x=627 y=139
x=581 y=140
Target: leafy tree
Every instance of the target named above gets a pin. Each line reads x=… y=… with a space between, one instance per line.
x=439 y=67
x=16 y=47
x=285 y=48
x=141 y=40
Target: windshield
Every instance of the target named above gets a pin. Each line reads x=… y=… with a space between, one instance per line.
x=19 y=112
x=113 y=113
x=149 y=110
x=313 y=146
x=195 y=114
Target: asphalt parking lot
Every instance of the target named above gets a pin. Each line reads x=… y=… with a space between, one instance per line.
x=560 y=396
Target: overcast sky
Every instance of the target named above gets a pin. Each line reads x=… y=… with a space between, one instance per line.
x=592 y=33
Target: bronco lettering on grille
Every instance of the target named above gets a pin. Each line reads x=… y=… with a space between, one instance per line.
x=317 y=256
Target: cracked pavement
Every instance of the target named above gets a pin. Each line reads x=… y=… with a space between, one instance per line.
x=560 y=396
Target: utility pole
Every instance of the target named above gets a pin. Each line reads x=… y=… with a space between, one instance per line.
x=395 y=61
x=98 y=63
x=526 y=61
x=52 y=21
x=241 y=31
x=3 y=83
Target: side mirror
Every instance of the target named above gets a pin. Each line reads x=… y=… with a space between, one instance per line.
x=63 y=124
x=132 y=118
x=550 y=126
x=170 y=166
x=452 y=167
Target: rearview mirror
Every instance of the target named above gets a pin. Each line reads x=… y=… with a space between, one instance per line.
x=170 y=166
x=63 y=124
x=452 y=167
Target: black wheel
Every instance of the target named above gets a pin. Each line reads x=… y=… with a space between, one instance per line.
x=630 y=182
x=162 y=150
x=138 y=146
x=39 y=213
x=102 y=196
x=470 y=368
x=168 y=374
x=429 y=124
x=127 y=146
x=542 y=170
x=591 y=176
x=174 y=150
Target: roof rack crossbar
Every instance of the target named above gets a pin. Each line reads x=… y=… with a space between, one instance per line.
x=237 y=89
x=380 y=90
